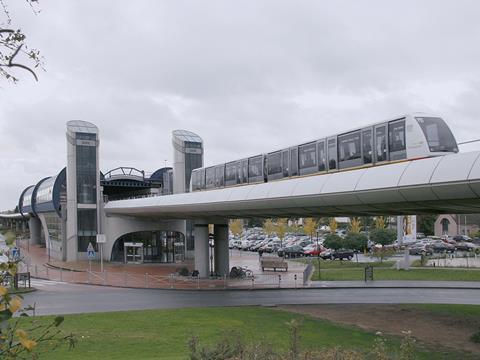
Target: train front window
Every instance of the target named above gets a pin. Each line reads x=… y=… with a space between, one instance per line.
x=438 y=135
x=210 y=178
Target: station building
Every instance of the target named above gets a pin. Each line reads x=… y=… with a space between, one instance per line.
x=64 y=212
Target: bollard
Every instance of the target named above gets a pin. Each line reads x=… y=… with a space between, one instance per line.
x=47 y=273
x=36 y=271
x=295 y=279
x=146 y=280
x=61 y=277
x=105 y=277
x=224 y=281
x=253 y=282
x=125 y=278
x=88 y=277
x=172 y=281
x=279 y=280
x=198 y=282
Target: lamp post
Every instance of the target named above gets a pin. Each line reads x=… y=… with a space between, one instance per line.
x=211 y=245
x=318 y=256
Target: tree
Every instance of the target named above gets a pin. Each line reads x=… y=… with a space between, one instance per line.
x=355 y=225
x=13 y=47
x=268 y=227
x=383 y=236
x=426 y=224
x=334 y=242
x=356 y=241
x=281 y=229
x=332 y=223
x=310 y=226
x=20 y=339
x=236 y=227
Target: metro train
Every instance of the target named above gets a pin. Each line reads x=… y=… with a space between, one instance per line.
x=408 y=137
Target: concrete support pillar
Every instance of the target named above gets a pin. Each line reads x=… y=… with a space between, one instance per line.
x=201 y=248
x=35 y=230
x=222 y=263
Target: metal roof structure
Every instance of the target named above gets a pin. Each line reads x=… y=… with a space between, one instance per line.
x=445 y=184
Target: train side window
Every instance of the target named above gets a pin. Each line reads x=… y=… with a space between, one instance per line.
x=294 y=161
x=332 y=154
x=194 y=181
x=255 y=169
x=274 y=163
x=210 y=178
x=202 y=179
x=381 y=143
x=396 y=135
x=307 y=158
x=321 y=156
x=244 y=178
x=367 y=146
x=220 y=176
x=231 y=173
x=349 y=147
x=285 y=162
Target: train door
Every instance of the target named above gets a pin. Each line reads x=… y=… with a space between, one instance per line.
x=332 y=153
x=381 y=143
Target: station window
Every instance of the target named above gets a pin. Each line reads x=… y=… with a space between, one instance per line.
x=244 y=176
x=220 y=176
x=349 y=146
x=231 y=173
x=255 y=168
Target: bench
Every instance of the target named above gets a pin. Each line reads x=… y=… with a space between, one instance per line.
x=274 y=264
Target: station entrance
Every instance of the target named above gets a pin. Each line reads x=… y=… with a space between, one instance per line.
x=150 y=247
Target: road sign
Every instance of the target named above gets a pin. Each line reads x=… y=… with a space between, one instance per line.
x=16 y=252
x=90 y=251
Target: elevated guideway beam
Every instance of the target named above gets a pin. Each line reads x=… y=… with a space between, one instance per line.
x=445 y=184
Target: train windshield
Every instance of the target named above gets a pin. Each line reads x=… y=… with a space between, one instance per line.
x=438 y=134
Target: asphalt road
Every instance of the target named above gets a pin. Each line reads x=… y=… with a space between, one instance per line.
x=63 y=298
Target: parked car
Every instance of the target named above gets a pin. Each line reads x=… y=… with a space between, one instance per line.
x=290 y=251
x=338 y=254
x=462 y=238
x=313 y=250
x=465 y=246
x=420 y=249
x=441 y=246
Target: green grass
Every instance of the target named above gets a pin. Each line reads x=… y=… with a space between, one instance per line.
x=154 y=334
x=337 y=264
x=458 y=311
x=432 y=274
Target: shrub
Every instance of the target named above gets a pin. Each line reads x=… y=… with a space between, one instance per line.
x=334 y=242
x=383 y=236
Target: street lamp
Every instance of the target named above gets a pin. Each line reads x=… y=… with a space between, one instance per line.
x=211 y=245
x=318 y=256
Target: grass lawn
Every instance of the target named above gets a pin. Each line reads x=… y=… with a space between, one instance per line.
x=337 y=264
x=154 y=334
x=393 y=274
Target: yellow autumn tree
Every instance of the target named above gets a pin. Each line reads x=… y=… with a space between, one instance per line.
x=355 y=225
x=380 y=222
x=333 y=225
x=236 y=227
x=281 y=229
x=310 y=226
x=268 y=227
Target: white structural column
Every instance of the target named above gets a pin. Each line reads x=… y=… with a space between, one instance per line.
x=35 y=230
x=222 y=262
x=201 y=248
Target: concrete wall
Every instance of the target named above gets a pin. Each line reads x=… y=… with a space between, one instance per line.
x=116 y=226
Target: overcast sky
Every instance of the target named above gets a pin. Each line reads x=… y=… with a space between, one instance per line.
x=247 y=76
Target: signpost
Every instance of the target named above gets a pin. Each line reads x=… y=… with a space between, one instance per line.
x=91 y=255
x=101 y=239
